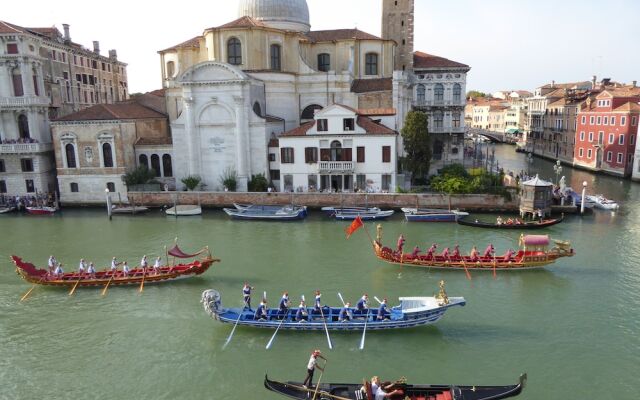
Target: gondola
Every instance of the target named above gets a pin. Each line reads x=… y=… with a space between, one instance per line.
x=524 y=225
x=358 y=391
x=411 y=312
x=267 y=212
x=32 y=274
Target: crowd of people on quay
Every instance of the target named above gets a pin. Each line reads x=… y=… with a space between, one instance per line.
x=88 y=269
x=19 y=141
x=305 y=314
x=20 y=202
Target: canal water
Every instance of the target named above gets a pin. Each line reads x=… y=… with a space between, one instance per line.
x=573 y=327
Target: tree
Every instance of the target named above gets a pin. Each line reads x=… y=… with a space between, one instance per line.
x=191 y=182
x=417 y=145
x=138 y=176
x=258 y=183
x=472 y=94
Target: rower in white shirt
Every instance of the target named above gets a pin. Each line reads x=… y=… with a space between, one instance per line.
x=92 y=270
x=143 y=262
x=157 y=265
x=58 y=270
x=82 y=266
x=52 y=264
x=125 y=269
x=114 y=265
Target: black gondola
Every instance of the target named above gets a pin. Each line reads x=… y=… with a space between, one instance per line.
x=524 y=225
x=353 y=391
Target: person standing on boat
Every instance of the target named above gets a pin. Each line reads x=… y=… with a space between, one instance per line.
x=362 y=305
x=283 y=308
x=52 y=264
x=157 y=265
x=383 y=311
x=445 y=254
x=456 y=252
x=82 y=266
x=509 y=255
x=302 y=314
x=143 y=263
x=261 y=311
x=489 y=251
x=114 y=265
x=345 y=314
x=246 y=295
x=318 y=301
x=431 y=251
x=400 y=243
x=474 y=254
x=58 y=271
x=416 y=251
x=311 y=367
x=125 y=269
x=91 y=270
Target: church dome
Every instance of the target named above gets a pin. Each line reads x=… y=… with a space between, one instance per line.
x=282 y=14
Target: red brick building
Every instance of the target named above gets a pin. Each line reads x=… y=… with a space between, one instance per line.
x=607 y=130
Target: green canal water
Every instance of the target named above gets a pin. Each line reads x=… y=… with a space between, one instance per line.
x=573 y=327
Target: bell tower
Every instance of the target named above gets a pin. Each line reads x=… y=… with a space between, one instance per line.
x=397 y=24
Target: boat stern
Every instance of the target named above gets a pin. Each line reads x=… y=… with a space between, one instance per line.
x=212 y=302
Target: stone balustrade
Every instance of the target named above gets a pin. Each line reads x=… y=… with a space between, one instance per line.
x=25 y=148
x=336 y=166
x=24 y=101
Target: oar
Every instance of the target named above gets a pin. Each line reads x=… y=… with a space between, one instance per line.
x=104 y=291
x=326 y=329
x=364 y=331
x=377 y=299
x=276 y=332
x=319 y=379
x=341 y=299
x=75 y=286
x=232 y=331
x=466 y=271
x=494 y=265
x=144 y=273
x=28 y=293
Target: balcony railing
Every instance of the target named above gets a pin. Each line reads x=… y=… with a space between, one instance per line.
x=336 y=166
x=25 y=148
x=436 y=103
x=446 y=129
x=24 y=101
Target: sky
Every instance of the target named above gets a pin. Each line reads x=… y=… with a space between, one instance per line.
x=509 y=44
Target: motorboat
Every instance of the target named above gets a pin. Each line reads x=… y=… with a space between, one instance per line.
x=432 y=215
x=184 y=210
x=601 y=202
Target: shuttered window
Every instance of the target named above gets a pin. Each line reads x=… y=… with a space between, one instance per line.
x=310 y=155
x=360 y=154
x=286 y=155
x=386 y=154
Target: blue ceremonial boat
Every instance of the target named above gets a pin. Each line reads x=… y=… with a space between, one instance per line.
x=350 y=213
x=432 y=215
x=412 y=311
x=267 y=213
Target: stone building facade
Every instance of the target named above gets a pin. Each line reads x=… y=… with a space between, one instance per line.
x=398 y=25
x=44 y=75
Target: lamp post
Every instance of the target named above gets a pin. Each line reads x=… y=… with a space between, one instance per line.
x=584 y=195
x=529 y=162
x=108 y=203
x=558 y=170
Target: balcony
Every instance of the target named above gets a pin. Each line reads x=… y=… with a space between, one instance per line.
x=446 y=129
x=24 y=101
x=336 y=166
x=25 y=148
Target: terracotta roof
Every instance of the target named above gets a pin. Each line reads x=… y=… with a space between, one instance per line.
x=243 y=22
x=272 y=118
x=157 y=92
x=376 y=111
x=102 y=112
x=570 y=85
x=193 y=43
x=371 y=85
x=424 y=60
x=523 y=93
x=301 y=130
x=6 y=27
x=340 y=34
x=630 y=107
x=154 y=141
x=51 y=33
x=627 y=91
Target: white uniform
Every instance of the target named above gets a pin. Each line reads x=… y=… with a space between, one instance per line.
x=143 y=262
x=59 y=270
x=91 y=269
x=157 y=264
x=125 y=268
x=114 y=264
x=52 y=262
x=81 y=266
x=312 y=362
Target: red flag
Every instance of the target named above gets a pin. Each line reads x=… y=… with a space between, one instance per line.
x=355 y=225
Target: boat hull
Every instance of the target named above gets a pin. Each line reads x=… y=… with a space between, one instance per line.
x=32 y=274
x=427 y=215
x=266 y=213
x=5 y=210
x=41 y=210
x=184 y=211
x=352 y=391
x=365 y=216
x=397 y=317
x=527 y=225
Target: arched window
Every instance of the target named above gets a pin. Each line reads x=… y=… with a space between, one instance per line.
x=310 y=111
x=457 y=93
x=18 y=89
x=438 y=119
x=257 y=109
x=336 y=151
x=171 y=69
x=421 y=94
x=234 y=51
x=275 y=57
x=143 y=160
x=107 y=156
x=155 y=164
x=23 y=126
x=324 y=62
x=34 y=74
x=438 y=93
x=371 y=64
x=74 y=187
x=70 y=153
x=166 y=165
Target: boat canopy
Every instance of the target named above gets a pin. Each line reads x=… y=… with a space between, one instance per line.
x=536 y=240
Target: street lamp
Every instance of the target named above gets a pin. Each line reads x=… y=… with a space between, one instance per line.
x=106 y=190
x=584 y=197
x=558 y=170
x=529 y=162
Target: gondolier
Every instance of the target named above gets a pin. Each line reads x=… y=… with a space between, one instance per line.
x=51 y=263
x=284 y=303
x=125 y=269
x=82 y=266
x=114 y=264
x=311 y=366
x=246 y=295
x=383 y=311
x=318 y=301
x=157 y=265
x=92 y=270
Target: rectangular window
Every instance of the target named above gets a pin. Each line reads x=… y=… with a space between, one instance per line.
x=85 y=79
x=581 y=152
x=590 y=136
x=74 y=187
x=386 y=154
x=613 y=120
x=360 y=154
x=386 y=183
x=584 y=119
x=582 y=136
x=104 y=67
x=94 y=64
x=310 y=155
x=12 y=48
x=324 y=62
x=30 y=186
x=620 y=158
x=589 y=154
x=609 y=156
x=286 y=155
x=348 y=124
x=3 y=187
x=371 y=64
x=75 y=60
x=53 y=55
x=78 y=77
x=592 y=120
x=598 y=120
x=623 y=121
x=634 y=120
x=288 y=183
x=611 y=138
x=633 y=140
x=64 y=57
x=272 y=157
x=605 y=121
x=26 y=164
x=2 y=167
x=600 y=137
x=82 y=61
x=621 y=139
x=274 y=174
x=312 y=182
x=323 y=125
x=361 y=182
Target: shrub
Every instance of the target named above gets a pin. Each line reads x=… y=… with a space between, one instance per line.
x=258 y=183
x=191 y=182
x=229 y=179
x=139 y=176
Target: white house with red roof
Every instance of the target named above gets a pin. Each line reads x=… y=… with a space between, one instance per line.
x=339 y=150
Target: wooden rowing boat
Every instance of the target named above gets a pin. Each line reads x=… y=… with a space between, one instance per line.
x=525 y=225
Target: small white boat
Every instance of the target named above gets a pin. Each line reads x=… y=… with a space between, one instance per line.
x=601 y=202
x=4 y=210
x=184 y=210
x=432 y=215
x=128 y=209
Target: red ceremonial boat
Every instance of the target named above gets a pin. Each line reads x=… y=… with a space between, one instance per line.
x=139 y=276
x=534 y=252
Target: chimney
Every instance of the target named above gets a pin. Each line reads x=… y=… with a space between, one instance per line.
x=634 y=83
x=67 y=35
x=553 y=84
x=594 y=80
x=96 y=47
x=113 y=55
